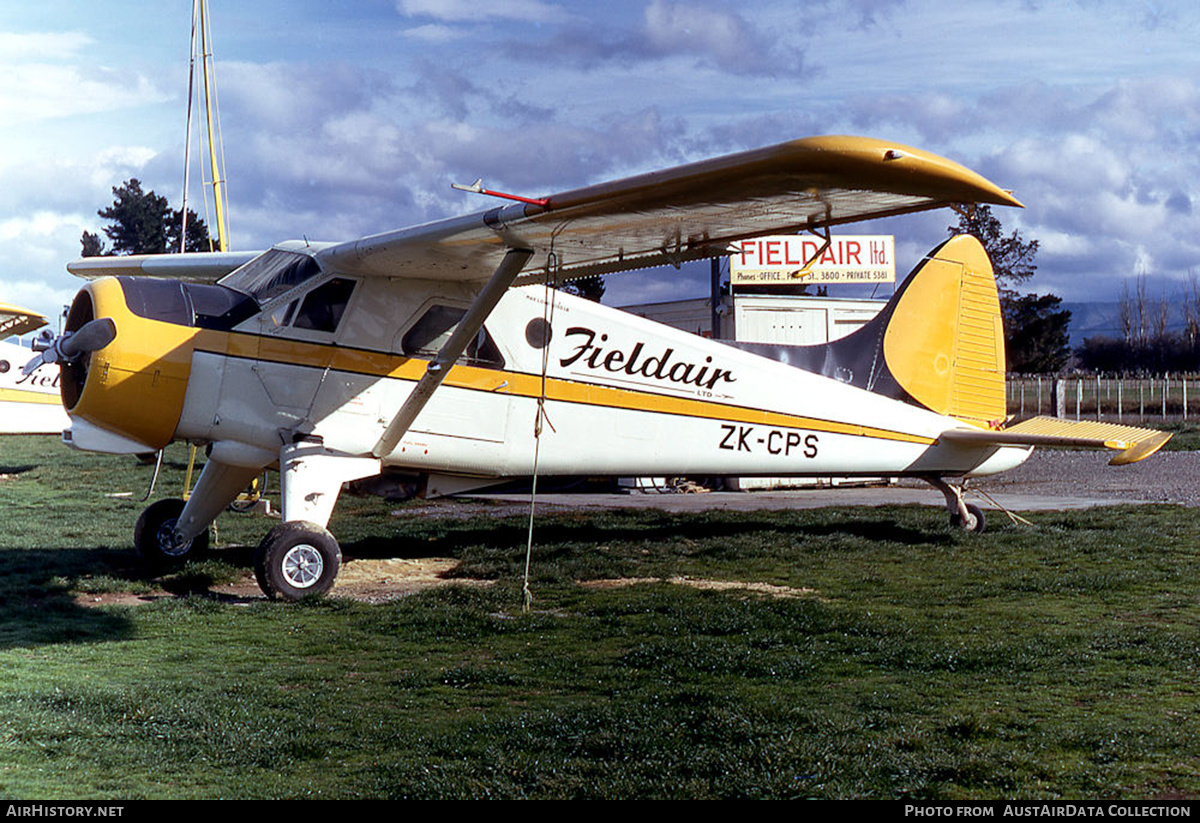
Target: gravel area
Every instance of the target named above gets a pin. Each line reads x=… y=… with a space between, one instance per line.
x=1048 y=480
x=1166 y=477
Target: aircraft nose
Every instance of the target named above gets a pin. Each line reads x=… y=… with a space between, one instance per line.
x=122 y=370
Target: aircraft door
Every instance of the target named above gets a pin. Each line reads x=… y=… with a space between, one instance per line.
x=465 y=425
x=297 y=345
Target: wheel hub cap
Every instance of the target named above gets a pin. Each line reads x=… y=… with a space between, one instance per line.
x=169 y=541
x=302 y=566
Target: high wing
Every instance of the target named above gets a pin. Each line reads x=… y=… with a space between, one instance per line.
x=665 y=217
x=15 y=320
x=195 y=267
x=1131 y=443
x=685 y=213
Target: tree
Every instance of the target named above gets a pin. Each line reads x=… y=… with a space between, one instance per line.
x=590 y=287
x=1035 y=334
x=93 y=246
x=142 y=222
x=1035 y=326
x=1012 y=257
x=197 y=233
x=1146 y=343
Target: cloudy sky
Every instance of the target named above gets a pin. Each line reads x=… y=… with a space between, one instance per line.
x=349 y=117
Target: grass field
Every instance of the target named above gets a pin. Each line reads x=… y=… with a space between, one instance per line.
x=906 y=659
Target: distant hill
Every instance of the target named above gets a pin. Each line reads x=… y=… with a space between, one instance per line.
x=1093 y=319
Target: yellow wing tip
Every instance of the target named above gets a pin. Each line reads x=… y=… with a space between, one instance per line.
x=887 y=152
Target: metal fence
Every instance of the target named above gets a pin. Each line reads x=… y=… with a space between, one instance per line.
x=1119 y=399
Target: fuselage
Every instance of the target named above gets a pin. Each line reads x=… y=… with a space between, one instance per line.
x=326 y=357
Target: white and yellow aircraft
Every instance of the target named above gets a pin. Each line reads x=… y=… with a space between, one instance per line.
x=29 y=403
x=433 y=349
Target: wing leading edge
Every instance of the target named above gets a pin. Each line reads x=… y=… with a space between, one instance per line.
x=195 y=267
x=672 y=216
x=680 y=214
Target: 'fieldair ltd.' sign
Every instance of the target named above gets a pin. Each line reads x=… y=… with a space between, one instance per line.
x=781 y=260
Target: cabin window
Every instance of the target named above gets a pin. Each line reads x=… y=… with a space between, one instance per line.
x=323 y=307
x=287 y=314
x=430 y=333
x=271 y=274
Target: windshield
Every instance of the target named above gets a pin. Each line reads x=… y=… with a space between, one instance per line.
x=271 y=274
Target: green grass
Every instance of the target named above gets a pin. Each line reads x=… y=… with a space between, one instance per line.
x=1060 y=661
x=1184 y=436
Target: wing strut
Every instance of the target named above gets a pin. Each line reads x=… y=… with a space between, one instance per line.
x=463 y=334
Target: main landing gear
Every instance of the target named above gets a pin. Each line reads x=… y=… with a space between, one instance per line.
x=297 y=560
x=963 y=515
x=299 y=557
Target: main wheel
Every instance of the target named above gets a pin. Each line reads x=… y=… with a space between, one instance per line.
x=975 y=521
x=297 y=559
x=155 y=540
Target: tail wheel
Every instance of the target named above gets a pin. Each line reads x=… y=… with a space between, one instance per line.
x=297 y=560
x=155 y=538
x=974 y=521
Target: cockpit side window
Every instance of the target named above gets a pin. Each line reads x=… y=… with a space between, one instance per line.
x=427 y=336
x=323 y=307
x=271 y=274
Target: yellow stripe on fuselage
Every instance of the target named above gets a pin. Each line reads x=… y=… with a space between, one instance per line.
x=398 y=367
x=27 y=396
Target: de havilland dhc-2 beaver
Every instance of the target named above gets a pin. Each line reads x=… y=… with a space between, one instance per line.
x=434 y=350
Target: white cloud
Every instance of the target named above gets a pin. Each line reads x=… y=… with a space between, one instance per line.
x=34 y=250
x=471 y=11
x=671 y=28
x=435 y=33
x=686 y=36
x=34 y=92
x=15 y=48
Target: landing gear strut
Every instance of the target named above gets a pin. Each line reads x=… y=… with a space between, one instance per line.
x=963 y=515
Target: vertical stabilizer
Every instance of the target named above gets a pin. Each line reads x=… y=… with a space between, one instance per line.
x=944 y=343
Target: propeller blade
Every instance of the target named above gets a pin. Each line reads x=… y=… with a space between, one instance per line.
x=33 y=364
x=91 y=336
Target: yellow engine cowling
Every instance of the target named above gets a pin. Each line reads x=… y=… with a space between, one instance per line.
x=135 y=385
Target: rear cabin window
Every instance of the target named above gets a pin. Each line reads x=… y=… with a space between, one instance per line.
x=430 y=333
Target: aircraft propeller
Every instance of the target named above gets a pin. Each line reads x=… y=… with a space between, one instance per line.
x=68 y=346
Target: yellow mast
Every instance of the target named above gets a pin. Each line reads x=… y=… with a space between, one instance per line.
x=216 y=161
x=216 y=153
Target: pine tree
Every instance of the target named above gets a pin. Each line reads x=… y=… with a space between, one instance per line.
x=142 y=222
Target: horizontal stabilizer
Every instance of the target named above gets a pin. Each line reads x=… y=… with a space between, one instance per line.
x=1131 y=442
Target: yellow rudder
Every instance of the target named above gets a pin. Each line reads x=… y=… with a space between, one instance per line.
x=944 y=343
